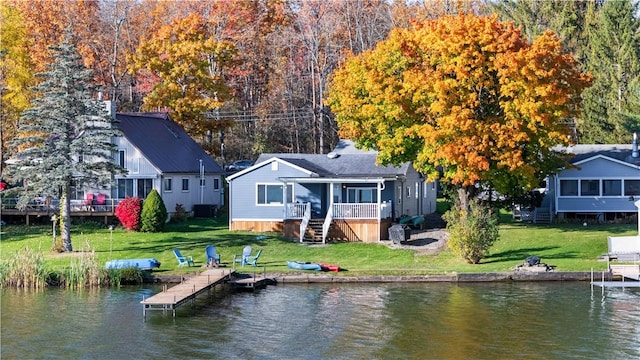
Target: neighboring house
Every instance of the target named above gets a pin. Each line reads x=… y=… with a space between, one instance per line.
x=158 y=154
x=342 y=195
x=600 y=186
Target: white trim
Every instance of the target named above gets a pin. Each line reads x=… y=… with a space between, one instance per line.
x=600 y=156
x=269 y=161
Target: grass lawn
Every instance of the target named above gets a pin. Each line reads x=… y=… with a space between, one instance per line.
x=570 y=247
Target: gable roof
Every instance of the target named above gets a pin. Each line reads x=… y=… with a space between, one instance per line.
x=165 y=143
x=361 y=165
x=617 y=152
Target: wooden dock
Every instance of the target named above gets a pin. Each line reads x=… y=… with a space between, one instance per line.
x=171 y=298
x=251 y=282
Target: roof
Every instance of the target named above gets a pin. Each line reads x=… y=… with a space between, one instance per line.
x=165 y=143
x=620 y=152
x=360 y=165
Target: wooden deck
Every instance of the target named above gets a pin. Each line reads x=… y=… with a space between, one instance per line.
x=251 y=282
x=171 y=298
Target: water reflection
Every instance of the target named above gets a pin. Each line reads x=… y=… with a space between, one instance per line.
x=329 y=321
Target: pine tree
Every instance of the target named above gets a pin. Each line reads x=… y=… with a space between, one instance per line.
x=610 y=113
x=65 y=137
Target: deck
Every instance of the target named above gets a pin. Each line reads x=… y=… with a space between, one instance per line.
x=628 y=274
x=172 y=298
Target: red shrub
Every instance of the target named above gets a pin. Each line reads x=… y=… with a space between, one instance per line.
x=128 y=212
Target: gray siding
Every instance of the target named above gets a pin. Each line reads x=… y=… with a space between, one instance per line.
x=243 y=193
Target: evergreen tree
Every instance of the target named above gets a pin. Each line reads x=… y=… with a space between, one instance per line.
x=64 y=139
x=154 y=213
x=610 y=105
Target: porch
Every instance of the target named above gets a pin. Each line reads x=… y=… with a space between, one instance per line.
x=48 y=207
x=366 y=222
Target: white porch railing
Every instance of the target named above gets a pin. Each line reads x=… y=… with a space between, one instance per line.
x=296 y=210
x=355 y=211
x=326 y=225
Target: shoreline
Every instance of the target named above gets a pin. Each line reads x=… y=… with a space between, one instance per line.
x=512 y=276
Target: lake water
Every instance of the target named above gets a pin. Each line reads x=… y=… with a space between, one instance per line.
x=555 y=320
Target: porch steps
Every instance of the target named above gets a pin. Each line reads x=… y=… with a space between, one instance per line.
x=314 y=230
x=541 y=216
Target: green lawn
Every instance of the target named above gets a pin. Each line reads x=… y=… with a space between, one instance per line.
x=569 y=247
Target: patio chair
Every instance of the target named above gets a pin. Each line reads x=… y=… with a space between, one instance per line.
x=213 y=257
x=242 y=259
x=253 y=259
x=88 y=201
x=101 y=201
x=182 y=260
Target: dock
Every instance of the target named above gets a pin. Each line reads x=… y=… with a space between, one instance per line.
x=172 y=298
x=251 y=282
x=628 y=274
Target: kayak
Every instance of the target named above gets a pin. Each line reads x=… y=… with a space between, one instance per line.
x=142 y=264
x=299 y=265
x=330 y=267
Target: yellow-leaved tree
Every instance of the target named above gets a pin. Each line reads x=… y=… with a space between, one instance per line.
x=465 y=98
x=186 y=64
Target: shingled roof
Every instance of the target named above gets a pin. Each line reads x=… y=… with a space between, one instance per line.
x=165 y=143
x=621 y=152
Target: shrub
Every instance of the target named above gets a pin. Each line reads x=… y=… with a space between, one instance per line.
x=128 y=212
x=472 y=232
x=180 y=214
x=154 y=213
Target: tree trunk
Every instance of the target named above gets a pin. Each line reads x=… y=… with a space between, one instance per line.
x=65 y=220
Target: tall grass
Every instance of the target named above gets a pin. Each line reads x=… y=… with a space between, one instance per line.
x=85 y=270
x=26 y=269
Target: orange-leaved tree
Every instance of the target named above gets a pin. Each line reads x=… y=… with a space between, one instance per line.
x=188 y=65
x=465 y=98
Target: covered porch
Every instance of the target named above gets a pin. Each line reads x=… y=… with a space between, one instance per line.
x=343 y=210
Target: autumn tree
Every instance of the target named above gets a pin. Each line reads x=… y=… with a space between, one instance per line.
x=65 y=136
x=16 y=75
x=188 y=65
x=466 y=98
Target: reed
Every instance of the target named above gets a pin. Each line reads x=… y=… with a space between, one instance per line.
x=85 y=271
x=26 y=269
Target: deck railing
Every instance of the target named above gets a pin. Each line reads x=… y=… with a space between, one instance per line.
x=53 y=205
x=355 y=211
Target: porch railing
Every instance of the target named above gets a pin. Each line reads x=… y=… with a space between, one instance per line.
x=305 y=221
x=296 y=210
x=355 y=211
x=53 y=205
x=327 y=224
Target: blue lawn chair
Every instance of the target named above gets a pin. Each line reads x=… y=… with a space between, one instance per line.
x=183 y=260
x=213 y=257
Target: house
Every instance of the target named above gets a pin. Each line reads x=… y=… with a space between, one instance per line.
x=342 y=195
x=158 y=154
x=602 y=184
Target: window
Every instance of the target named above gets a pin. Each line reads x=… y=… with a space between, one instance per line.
x=124 y=188
x=168 y=184
x=121 y=157
x=568 y=187
x=273 y=194
x=202 y=182
x=631 y=187
x=144 y=187
x=408 y=191
x=185 y=184
x=216 y=184
x=417 y=189
x=611 y=187
x=135 y=165
x=362 y=195
x=589 y=187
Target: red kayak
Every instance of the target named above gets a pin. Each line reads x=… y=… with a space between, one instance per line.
x=330 y=267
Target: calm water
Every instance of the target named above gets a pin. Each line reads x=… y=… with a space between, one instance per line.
x=352 y=321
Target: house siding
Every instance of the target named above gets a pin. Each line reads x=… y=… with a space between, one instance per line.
x=595 y=169
x=243 y=189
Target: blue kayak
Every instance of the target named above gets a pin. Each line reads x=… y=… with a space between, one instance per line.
x=142 y=264
x=299 y=265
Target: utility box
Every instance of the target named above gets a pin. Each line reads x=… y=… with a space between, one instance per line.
x=399 y=233
x=205 y=211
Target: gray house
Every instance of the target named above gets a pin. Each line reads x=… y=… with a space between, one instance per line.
x=158 y=154
x=602 y=184
x=342 y=195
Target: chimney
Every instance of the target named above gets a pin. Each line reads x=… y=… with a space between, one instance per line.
x=634 y=146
